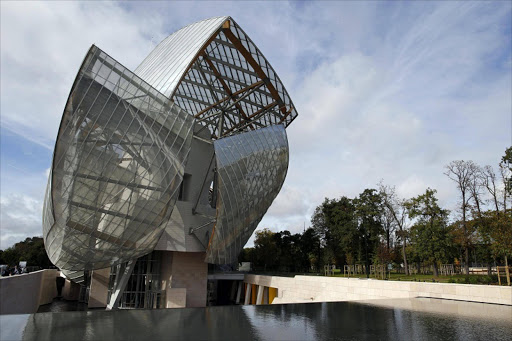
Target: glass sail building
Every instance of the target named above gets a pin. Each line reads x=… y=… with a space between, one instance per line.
x=182 y=156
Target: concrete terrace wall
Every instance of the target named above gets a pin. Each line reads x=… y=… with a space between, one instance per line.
x=301 y=289
x=23 y=294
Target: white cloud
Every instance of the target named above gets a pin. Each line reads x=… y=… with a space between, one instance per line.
x=43 y=44
x=20 y=217
x=389 y=91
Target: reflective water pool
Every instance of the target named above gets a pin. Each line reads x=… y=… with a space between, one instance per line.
x=408 y=319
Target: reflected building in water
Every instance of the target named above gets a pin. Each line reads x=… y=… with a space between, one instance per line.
x=404 y=319
x=161 y=170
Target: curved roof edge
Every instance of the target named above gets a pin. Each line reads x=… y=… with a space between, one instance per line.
x=164 y=67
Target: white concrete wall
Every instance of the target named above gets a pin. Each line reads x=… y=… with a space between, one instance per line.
x=324 y=289
x=23 y=294
x=48 y=287
x=70 y=291
x=176 y=236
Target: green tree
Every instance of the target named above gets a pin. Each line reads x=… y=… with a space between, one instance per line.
x=498 y=230
x=342 y=236
x=462 y=172
x=266 y=250
x=430 y=234
x=369 y=208
x=309 y=250
x=396 y=207
x=30 y=250
x=506 y=165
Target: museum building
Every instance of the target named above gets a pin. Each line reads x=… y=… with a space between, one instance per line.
x=158 y=172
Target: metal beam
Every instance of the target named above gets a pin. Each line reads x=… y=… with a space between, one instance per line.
x=234 y=81
x=255 y=114
x=225 y=86
x=109 y=212
x=177 y=94
x=250 y=59
x=124 y=272
x=100 y=235
x=105 y=179
x=236 y=93
x=232 y=66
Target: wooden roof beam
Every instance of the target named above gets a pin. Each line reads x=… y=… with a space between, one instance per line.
x=228 y=97
x=224 y=85
x=257 y=68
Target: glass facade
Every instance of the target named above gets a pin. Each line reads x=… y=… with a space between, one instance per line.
x=125 y=139
x=143 y=287
x=251 y=169
x=214 y=71
x=117 y=167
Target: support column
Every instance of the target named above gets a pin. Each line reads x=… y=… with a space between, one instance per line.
x=233 y=291
x=98 y=292
x=239 y=292
x=248 y=294
x=123 y=275
x=260 y=294
x=185 y=270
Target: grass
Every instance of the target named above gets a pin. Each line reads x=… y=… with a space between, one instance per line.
x=461 y=279
x=470 y=279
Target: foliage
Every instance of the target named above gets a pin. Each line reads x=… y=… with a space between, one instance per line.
x=369 y=210
x=430 y=233
x=498 y=229
x=282 y=251
x=379 y=227
x=30 y=250
x=506 y=162
x=334 y=222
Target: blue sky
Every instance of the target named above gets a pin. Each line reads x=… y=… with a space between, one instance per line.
x=384 y=90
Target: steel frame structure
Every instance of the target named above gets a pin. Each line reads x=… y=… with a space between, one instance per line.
x=125 y=137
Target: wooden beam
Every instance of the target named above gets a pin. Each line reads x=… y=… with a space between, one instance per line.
x=250 y=59
x=224 y=85
x=268 y=106
x=286 y=115
x=228 y=97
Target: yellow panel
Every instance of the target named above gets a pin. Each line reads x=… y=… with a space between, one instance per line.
x=272 y=293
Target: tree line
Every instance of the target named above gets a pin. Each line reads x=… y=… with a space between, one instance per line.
x=380 y=227
x=30 y=250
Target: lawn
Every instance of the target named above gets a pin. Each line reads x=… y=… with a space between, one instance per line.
x=471 y=279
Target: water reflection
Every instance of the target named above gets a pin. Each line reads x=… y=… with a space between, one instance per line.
x=311 y=321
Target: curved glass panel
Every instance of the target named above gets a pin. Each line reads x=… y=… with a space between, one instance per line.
x=232 y=88
x=214 y=71
x=251 y=169
x=165 y=65
x=117 y=166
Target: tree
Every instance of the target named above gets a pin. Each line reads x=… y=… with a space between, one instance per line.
x=490 y=182
x=498 y=229
x=429 y=234
x=369 y=210
x=397 y=208
x=266 y=250
x=462 y=172
x=506 y=165
x=334 y=222
x=30 y=250
x=310 y=249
